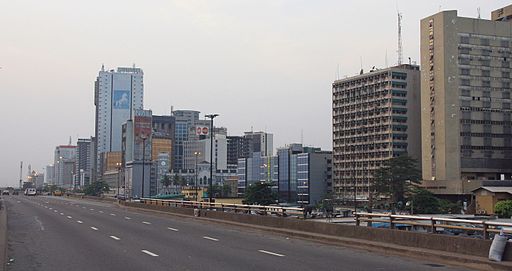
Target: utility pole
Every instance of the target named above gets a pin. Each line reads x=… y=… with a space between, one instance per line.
x=21 y=173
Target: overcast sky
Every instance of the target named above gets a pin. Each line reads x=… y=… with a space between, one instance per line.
x=268 y=65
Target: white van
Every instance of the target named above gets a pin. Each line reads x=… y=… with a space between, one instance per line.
x=30 y=191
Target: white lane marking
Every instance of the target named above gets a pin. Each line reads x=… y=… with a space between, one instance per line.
x=79 y=222
x=39 y=222
x=211 y=238
x=271 y=253
x=145 y=222
x=46 y=202
x=46 y=207
x=55 y=211
x=115 y=237
x=94 y=228
x=113 y=214
x=50 y=208
x=172 y=229
x=150 y=253
x=61 y=213
x=101 y=212
x=127 y=218
x=69 y=217
x=91 y=209
x=19 y=201
x=84 y=207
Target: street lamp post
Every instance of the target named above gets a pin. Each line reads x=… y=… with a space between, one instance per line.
x=196 y=154
x=211 y=117
x=118 y=177
x=143 y=162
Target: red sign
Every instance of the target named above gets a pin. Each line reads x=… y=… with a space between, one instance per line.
x=202 y=130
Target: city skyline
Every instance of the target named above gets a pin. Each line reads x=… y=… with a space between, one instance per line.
x=215 y=57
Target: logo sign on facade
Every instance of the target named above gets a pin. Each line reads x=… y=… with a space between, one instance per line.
x=121 y=99
x=202 y=130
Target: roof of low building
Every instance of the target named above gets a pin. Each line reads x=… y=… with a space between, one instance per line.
x=496 y=189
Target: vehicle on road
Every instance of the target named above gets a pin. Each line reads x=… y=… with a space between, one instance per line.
x=5 y=192
x=57 y=193
x=30 y=192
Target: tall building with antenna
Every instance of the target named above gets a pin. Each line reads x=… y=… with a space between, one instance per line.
x=466 y=101
x=117 y=94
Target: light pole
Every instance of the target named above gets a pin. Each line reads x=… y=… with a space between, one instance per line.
x=196 y=154
x=211 y=117
x=143 y=162
x=118 y=165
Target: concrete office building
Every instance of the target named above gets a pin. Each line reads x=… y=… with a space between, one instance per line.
x=305 y=174
x=185 y=120
x=465 y=103
x=116 y=95
x=376 y=116
x=238 y=147
x=257 y=168
x=49 y=174
x=136 y=154
x=261 y=142
x=83 y=162
x=163 y=137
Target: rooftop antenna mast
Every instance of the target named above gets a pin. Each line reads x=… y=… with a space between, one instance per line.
x=478 y=11
x=21 y=173
x=400 y=49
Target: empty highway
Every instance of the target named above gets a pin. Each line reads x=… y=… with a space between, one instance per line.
x=52 y=233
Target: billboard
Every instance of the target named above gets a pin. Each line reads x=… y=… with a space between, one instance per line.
x=121 y=99
x=202 y=130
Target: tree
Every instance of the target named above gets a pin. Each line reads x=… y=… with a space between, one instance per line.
x=166 y=181
x=260 y=193
x=503 y=208
x=424 y=202
x=96 y=188
x=396 y=178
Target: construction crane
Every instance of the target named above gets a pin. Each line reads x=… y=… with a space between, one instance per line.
x=400 y=49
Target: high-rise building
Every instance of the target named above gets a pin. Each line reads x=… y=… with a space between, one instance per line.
x=64 y=165
x=83 y=162
x=465 y=102
x=376 y=116
x=238 y=147
x=116 y=95
x=136 y=158
x=257 y=168
x=185 y=119
x=261 y=142
x=305 y=174
x=49 y=174
x=502 y=14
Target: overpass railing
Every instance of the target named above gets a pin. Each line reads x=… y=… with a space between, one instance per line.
x=435 y=224
x=226 y=207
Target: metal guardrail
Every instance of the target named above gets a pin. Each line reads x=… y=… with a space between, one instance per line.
x=237 y=208
x=433 y=223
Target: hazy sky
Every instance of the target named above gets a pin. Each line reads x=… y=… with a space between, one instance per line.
x=262 y=64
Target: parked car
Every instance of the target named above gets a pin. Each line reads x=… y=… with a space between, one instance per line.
x=5 y=192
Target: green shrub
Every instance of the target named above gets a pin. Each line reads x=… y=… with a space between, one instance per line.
x=503 y=208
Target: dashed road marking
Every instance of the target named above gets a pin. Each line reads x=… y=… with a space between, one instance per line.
x=79 y=222
x=91 y=209
x=61 y=213
x=127 y=218
x=145 y=222
x=94 y=228
x=69 y=217
x=115 y=237
x=271 y=253
x=172 y=229
x=101 y=212
x=150 y=253
x=211 y=238
x=113 y=214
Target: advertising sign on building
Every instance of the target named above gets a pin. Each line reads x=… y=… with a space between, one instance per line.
x=202 y=130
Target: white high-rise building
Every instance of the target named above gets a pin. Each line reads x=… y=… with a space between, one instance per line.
x=116 y=95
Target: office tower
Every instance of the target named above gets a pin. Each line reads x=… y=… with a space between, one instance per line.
x=238 y=147
x=257 y=168
x=64 y=165
x=466 y=115
x=83 y=162
x=376 y=116
x=116 y=95
x=261 y=142
x=305 y=174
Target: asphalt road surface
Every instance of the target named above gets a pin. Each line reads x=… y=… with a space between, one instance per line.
x=52 y=233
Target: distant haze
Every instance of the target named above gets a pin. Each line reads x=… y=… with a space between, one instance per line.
x=268 y=65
